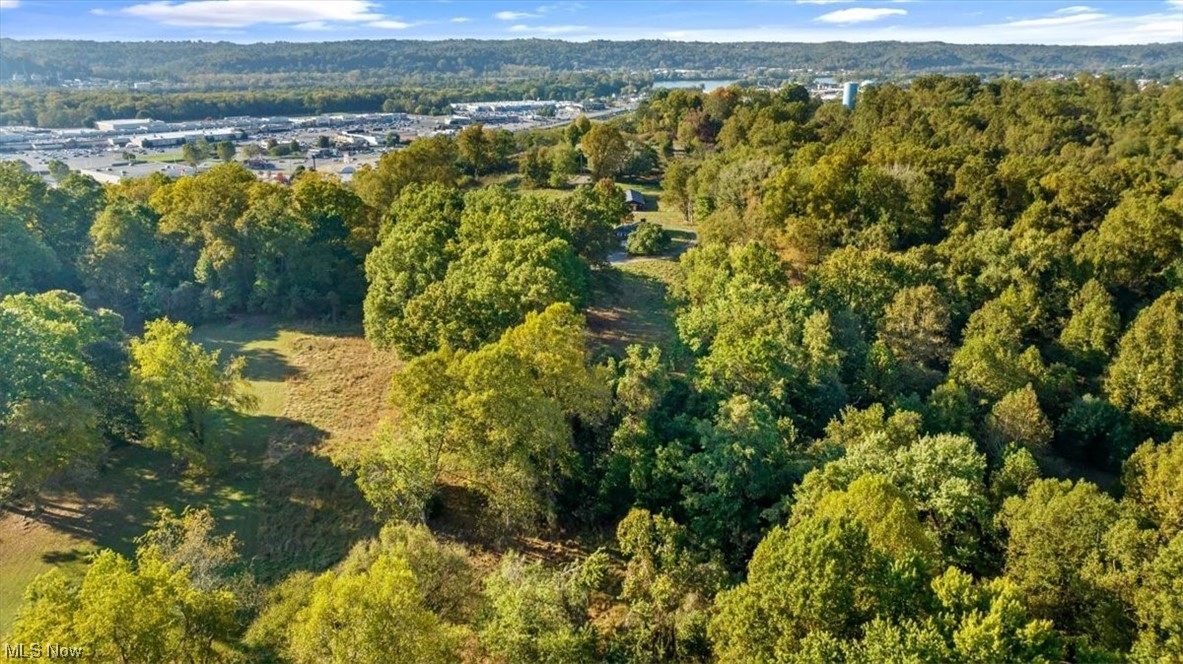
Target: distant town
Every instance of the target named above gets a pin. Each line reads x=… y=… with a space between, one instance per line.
x=115 y=149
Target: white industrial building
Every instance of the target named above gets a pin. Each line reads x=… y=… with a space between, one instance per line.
x=130 y=124
x=179 y=137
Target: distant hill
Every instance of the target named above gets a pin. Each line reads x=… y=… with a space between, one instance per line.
x=215 y=64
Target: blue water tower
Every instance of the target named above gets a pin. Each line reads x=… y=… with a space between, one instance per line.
x=849 y=92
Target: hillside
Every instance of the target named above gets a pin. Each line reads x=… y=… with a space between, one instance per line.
x=406 y=61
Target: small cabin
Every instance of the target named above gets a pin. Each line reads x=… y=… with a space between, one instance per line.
x=634 y=200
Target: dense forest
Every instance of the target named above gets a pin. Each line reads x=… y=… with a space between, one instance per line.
x=923 y=401
x=392 y=61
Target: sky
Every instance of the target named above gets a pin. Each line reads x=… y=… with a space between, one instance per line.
x=957 y=21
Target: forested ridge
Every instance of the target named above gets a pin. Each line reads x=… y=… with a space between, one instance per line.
x=923 y=401
x=196 y=80
x=393 y=59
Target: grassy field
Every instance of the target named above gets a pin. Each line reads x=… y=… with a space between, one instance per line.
x=630 y=305
x=319 y=388
x=163 y=157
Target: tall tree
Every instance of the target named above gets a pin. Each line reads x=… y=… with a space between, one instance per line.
x=365 y=616
x=182 y=391
x=605 y=149
x=57 y=397
x=1146 y=377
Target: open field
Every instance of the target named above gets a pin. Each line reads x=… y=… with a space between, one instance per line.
x=630 y=306
x=163 y=157
x=289 y=506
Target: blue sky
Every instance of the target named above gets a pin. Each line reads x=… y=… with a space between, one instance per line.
x=999 y=21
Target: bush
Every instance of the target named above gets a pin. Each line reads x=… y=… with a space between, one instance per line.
x=647 y=239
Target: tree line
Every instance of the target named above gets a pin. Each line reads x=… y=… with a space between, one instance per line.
x=393 y=61
x=80 y=108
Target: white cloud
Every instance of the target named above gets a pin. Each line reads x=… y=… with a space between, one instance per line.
x=514 y=16
x=560 y=6
x=1175 y=3
x=1078 y=9
x=1159 y=27
x=548 y=29
x=1056 y=20
x=461 y=19
x=860 y=15
x=389 y=24
x=10 y=4
x=312 y=26
x=243 y=13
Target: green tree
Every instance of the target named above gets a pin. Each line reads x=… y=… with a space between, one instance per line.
x=1146 y=377
x=577 y=129
x=1017 y=418
x=58 y=170
x=57 y=397
x=1153 y=483
x=475 y=148
x=124 y=254
x=412 y=254
x=647 y=239
x=990 y=621
x=821 y=575
x=182 y=393
x=192 y=154
x=667 y=587
x=915 y=326
x=564 y=164
x=677 y=187
x=605 y=149
x=1054 y=534
x=537 y=615
x=146 y=611
x=501 y=417
x=27 y=264
x=943 y=475
x=1092 y=331
x=1159 y=606
x=225 y=150
x=640 y=160
x=1135 y=243
x=444 y=572
x=733 y=485
x=535 y=167
x=764 y=340
x=888 y=515
x=589 y=219
x=425 y=160
x=367 y=616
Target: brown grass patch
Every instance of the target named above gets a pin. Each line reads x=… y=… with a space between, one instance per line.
x=341 y=387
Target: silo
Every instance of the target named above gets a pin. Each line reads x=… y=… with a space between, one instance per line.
x=849 y=92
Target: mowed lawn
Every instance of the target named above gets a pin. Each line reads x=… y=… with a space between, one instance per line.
x=318 y=387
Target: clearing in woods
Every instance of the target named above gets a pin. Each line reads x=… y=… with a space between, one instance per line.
x=320 y=388
x=321 y=391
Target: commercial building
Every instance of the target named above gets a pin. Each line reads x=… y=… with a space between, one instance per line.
x=178 y=137
x=130 y=124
